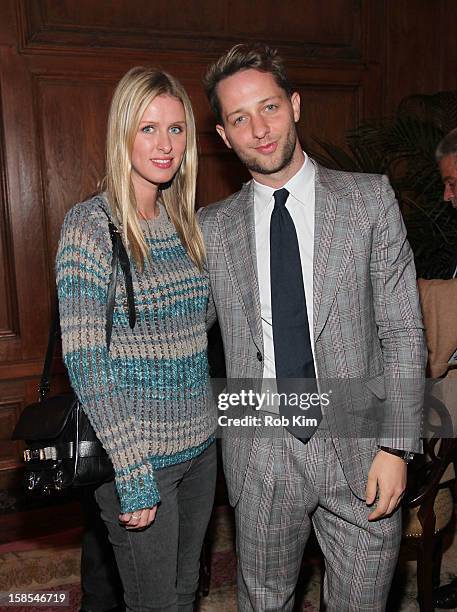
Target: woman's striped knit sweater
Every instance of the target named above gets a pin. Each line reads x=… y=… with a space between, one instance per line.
x=148 y=398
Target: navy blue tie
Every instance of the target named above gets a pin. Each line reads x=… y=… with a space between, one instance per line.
x=291 y=335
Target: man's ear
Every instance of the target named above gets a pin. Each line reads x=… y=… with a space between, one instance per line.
x=295 y=101
x=220 y=130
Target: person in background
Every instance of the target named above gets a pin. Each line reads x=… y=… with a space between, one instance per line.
x=445 y=596
x=147 y=395
x=311 y=274
x=101 y=588
x=446 y=156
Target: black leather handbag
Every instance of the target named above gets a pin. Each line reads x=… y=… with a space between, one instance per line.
x=62 y=449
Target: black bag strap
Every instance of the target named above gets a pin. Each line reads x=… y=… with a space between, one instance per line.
x=119 y=254
x=45 y=384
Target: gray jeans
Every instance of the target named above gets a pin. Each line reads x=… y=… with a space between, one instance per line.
x=159 y=566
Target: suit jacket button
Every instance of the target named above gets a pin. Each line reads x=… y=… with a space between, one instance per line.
x=259 y=355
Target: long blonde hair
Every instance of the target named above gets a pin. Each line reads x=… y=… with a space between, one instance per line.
x=134 y=92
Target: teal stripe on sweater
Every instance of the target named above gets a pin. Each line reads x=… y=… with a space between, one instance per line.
x=182 y=372
x=183 y=308
x=74 y=286
x=70 y=266
x=82 y=253
x=138 y=491
x=156 y=375
x=95 y=360
x=159 y=462
x=163 y=239
x=168 y=254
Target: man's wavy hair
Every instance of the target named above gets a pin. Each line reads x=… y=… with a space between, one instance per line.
x=259 y=57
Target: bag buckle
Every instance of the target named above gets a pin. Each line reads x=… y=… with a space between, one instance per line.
x=33 y=454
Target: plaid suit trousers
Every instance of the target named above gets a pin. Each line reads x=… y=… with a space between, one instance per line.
x=289 y=487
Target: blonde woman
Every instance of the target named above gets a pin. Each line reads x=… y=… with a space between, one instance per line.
x=147 y=396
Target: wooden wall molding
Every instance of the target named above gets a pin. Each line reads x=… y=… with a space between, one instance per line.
x=21 y=167
x=11 y=405
x=342 y=106
x=20 y=369
x=320 y=34
x=9 y=319
x=71 y=126
x=9 y=411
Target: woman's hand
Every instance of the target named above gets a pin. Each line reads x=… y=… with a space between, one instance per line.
x=140 y=519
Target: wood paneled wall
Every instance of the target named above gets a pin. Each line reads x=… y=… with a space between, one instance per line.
x=59 y=62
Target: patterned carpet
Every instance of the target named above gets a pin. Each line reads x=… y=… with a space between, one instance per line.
x=52 y=563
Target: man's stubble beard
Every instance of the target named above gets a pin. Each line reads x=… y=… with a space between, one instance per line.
x=253 y=165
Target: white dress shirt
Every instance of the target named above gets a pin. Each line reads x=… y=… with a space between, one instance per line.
x=300 y=204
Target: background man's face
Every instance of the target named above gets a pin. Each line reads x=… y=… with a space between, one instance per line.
x=448 y=169
x=259 y=121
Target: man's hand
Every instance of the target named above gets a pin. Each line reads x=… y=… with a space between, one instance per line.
x=140 y=519
x=387 y=478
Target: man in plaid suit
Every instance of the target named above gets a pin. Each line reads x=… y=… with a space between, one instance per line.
x=363 y=324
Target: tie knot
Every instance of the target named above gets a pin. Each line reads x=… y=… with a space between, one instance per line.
x=280 y=197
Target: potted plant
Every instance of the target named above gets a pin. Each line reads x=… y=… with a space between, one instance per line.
x=403 y=147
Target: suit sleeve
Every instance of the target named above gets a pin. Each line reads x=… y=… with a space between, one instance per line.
x=211 y=314
x=400 y=328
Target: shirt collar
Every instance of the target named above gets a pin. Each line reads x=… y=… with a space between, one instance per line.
x=298 y=186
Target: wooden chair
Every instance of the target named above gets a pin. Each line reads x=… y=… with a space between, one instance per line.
x=429 y=504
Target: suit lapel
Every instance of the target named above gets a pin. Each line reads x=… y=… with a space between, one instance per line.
x=236 y=222
x=334 y=227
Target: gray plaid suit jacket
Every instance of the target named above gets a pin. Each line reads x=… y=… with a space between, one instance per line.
x=367 y=318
